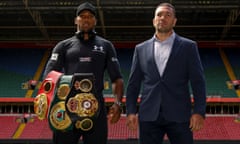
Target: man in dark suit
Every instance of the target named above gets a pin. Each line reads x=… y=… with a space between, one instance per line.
x=164 y=68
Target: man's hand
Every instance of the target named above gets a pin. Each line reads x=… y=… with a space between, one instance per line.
x=196 y=122
x=132 y=122
x=114 y=113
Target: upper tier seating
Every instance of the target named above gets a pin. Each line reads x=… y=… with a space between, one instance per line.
x=19 y=65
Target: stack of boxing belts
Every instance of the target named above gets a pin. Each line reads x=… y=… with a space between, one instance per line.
x=67 y=101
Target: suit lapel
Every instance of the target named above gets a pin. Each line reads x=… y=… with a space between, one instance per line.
x=154 y=69
x=174 y=51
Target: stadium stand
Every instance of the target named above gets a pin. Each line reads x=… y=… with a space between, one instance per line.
x=233 y=56
x=8 y=126
x=215 y=73
x=223 y=104
x=23 y=64
x=216 y=128
x=17 y=66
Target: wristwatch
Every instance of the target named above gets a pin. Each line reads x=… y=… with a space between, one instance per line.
x=118 y=103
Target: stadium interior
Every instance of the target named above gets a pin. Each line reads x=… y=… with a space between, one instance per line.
x=30 y=29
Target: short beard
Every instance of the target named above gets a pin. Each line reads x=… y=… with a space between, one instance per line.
x=164 y=31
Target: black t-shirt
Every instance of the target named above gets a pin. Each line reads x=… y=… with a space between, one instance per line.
x=95 y=55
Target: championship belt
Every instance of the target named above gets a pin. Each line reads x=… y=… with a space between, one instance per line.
x=68 y=101
x=45 y=94
x=58 y=119
x=82 y=104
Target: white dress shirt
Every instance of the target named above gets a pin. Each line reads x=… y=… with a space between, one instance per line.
x=162 y=50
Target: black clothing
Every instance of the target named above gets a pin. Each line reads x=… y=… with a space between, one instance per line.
x=86 y=6
x=98 y=135
x=75 y=55
x=153 y=132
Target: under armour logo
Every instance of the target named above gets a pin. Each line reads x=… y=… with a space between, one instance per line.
x=98 y=49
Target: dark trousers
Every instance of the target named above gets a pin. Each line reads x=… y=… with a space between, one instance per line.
x=153 y=132
x=98 y=135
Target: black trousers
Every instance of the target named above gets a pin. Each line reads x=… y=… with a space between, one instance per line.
x=98 y=135
x=153 y=132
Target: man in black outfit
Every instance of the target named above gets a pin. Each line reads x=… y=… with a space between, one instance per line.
x=87 y=52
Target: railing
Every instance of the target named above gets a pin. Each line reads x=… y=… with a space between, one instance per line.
x=215 y=105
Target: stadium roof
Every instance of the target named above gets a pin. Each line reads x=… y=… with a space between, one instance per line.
x=122 y=21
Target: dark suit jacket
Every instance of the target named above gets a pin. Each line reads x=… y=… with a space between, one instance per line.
x=169 y=93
